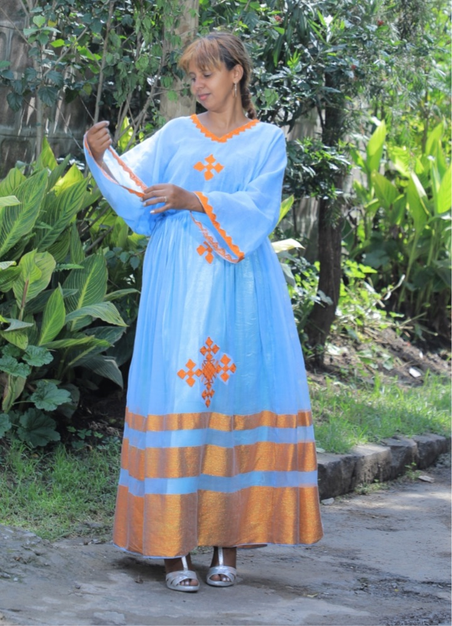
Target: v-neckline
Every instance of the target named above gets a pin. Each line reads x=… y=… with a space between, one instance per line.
x=195 y=119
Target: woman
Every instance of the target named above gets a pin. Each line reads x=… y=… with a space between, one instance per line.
x=218 y=444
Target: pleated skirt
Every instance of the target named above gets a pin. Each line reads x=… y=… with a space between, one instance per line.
x=218 y=444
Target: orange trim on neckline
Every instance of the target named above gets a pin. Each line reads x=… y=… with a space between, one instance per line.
x=195 y=119
x=209 y=210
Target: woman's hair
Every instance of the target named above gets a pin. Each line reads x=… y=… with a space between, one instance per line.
x=216 y=48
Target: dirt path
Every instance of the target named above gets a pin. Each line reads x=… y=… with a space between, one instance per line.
x=385 y=559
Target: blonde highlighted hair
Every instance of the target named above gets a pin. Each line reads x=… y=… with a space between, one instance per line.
x=220 y=47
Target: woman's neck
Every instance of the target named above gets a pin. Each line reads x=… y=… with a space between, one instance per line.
x=223 y=122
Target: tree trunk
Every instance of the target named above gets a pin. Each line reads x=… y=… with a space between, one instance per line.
x=186 y=30
x=330 y=222
x=329 y=256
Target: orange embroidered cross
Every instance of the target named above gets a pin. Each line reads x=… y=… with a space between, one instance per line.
x=204 y=247
x=210 y=368
x=211 y=167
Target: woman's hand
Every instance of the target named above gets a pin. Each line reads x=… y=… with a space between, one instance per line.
x=99 y=140
x=172 y=197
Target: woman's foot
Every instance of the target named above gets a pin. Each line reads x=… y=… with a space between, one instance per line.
x=179 y=574
x=222 y=572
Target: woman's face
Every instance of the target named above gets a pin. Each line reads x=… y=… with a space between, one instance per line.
x=214 y=88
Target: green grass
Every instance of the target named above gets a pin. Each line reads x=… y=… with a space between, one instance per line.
x=60 y=493
x=345 y=416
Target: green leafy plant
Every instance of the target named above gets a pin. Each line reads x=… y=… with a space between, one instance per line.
x=56 y=317
x=403 y=228
x=118 y=57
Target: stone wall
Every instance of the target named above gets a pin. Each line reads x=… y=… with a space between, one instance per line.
x=64 y=124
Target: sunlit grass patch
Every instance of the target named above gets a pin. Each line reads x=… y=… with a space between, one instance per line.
x=345 y=416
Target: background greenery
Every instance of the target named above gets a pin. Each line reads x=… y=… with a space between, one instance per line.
x=363 y=91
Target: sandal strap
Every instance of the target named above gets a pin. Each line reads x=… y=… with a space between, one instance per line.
x=223 y=570
x=177 y=577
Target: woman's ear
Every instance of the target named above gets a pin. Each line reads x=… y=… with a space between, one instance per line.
x=237 y=73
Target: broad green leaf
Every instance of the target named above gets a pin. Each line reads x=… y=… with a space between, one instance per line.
x=357 y=158
x=17 y=221
x=118 y=236
x=46 y=159
x=5 y=264
x=68 y=409
x=9 y=201
x=14 y=324
x=434 y=138
x=39 y=20
x=105 y=366
x=18 y=338
x=76 y=342
x=11 y=351
x=75 y=247
x=68 y=266
x=385 y=191
x=37 y=356
x=5 y=424
x=37 y=269
x=286 y=205
x=106 y=311
x=58 y=212
x=120 y=293
x=372 y=207
x=72 y=177
x=290 y=279
x=91 y=196
x=443 y=198
x=417 y=197
x=374 y=148
x=57 y=172
x=90 y=283
x=10 y=183
x=109 y=333
x=8 y=278
x=48 y=396
x=126 y=135
x=398 y=210
x=49 y=95
x=11 y=366
x=13 y=389
x=60 y=248
x=53 y=317
x=400 y=159
x=37 y=428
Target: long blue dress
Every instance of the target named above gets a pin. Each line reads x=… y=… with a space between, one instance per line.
x=218 y=443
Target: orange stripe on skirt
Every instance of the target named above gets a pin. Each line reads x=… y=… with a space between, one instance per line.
x=217 y=461
x=166 y=526
x=217 y=421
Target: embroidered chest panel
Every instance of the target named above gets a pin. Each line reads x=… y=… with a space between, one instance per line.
x=209 y=167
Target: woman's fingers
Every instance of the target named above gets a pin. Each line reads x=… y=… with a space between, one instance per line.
x=99 y=139
x=157 y=194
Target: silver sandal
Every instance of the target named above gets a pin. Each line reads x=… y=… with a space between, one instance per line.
x=221 y=570
x=174 y=579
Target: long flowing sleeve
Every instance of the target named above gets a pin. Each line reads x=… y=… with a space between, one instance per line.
x=242 y=220
x=133 y=172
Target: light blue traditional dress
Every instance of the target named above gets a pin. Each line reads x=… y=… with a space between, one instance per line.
x=218 y=443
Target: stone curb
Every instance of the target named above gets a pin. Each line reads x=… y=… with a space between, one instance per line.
x=342 y=473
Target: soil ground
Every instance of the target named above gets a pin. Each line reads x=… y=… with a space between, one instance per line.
x=384 y=560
